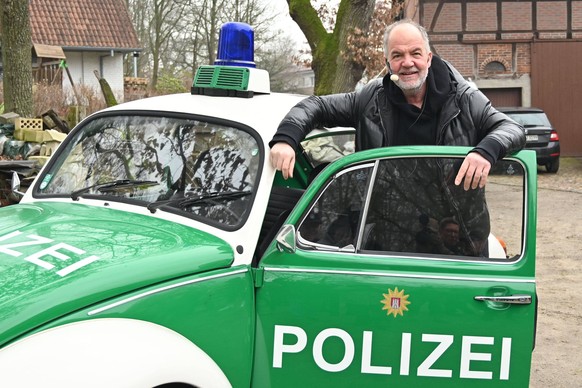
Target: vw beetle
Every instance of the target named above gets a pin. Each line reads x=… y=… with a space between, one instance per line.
x=159 y=248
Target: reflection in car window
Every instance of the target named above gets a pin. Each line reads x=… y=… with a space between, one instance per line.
x=334 y=219
x=215 y=167
x=414 y=207
x=329 y=148
x=410 y=199
x=505 y=198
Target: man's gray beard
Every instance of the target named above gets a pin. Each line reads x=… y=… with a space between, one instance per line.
x=414 y=89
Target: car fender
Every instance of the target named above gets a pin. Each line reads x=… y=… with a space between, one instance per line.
x=105 y=353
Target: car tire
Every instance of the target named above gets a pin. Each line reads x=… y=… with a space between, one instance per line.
x=553 y=166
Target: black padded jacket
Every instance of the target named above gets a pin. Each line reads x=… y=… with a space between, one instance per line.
x=465 y=119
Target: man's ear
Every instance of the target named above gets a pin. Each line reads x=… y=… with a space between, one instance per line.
x=429 y=62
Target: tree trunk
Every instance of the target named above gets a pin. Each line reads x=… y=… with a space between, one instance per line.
x=333 y=72
x=17 y=57
x=351 y=15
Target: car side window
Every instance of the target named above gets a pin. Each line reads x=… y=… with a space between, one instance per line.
x=332 y=222
x=412 y=206
x=412 y=197
x=324 y=149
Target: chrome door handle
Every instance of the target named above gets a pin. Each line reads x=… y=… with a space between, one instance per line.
x=511 y=299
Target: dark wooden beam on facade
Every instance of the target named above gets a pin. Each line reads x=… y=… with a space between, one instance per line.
x=500 y=31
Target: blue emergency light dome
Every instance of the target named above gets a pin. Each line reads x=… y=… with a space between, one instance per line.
x=236 y=45
x=234 y=73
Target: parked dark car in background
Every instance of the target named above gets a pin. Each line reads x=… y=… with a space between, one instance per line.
x=540 y=135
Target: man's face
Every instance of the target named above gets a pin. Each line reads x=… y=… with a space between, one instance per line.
x=450 y=234
x=408 y=57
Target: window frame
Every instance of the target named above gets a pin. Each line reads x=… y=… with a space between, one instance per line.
x=306 y=245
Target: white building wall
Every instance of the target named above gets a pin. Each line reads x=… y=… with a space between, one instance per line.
x=83 y=64
x=113 y=73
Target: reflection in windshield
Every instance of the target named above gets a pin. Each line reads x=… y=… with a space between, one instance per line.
x=121 y=184
x=186 y=158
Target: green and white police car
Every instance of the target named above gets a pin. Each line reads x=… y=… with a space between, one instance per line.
x=159 y=248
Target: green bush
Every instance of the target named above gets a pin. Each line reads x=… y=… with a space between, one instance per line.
x=170 y=85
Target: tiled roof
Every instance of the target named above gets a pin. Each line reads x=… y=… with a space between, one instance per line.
x=83 y=24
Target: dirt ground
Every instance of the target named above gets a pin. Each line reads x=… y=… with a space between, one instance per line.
x=557 y=358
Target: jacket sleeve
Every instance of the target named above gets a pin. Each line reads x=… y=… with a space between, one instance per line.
x=499 y=134
x=333 y=110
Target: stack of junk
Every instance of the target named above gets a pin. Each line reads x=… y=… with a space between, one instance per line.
x=25 y=146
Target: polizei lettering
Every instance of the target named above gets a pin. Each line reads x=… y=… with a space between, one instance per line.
x=47 y=248
x=290 y=340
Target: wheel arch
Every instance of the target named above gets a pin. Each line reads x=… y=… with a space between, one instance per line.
x=108 y=352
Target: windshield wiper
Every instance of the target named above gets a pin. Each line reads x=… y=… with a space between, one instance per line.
x=111 y=186
x=187 y=201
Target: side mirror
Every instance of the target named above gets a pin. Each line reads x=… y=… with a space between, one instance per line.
x=16 y=184
x=286 y=239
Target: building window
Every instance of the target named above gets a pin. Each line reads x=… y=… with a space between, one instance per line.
x=495 y=67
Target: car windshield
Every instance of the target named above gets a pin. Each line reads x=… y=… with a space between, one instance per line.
x=531 y=119
x=201 y=169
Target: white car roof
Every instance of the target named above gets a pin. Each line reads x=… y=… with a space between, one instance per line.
x=263 y=112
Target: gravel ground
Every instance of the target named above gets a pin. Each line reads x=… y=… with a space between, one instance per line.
x=557 y=358
x=568 y=178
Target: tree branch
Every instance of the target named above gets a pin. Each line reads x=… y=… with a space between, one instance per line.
x=306 y=17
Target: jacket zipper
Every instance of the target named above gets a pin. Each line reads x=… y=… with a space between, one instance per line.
x=442 y=128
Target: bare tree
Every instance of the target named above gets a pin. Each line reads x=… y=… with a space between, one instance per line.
x=178 y=36
x=213 y=13
x=279 y=59
x=16 y=56
x=139 y=14
x=210 y=23
x=155 y=22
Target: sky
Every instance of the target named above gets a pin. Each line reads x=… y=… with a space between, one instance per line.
x=284 y=22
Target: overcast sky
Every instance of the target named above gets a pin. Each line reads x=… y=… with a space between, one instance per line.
x=284 y=21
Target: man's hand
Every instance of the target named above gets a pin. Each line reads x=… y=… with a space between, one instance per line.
x=474 y=171
x=283 y=159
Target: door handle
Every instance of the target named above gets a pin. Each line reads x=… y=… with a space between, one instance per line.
x=511 y=299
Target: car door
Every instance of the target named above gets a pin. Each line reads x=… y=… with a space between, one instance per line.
x=387 y=274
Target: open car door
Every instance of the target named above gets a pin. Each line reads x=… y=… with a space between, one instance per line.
x=387 y=274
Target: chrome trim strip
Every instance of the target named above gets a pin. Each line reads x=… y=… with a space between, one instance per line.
x=509 y=299
x=396 y=274
x=364 y=216
x=162 y=289
x=415 y=256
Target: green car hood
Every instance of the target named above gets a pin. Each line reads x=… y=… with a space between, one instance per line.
x=56 y=258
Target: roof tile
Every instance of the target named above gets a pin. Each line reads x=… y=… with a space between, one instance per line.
x=82 y=23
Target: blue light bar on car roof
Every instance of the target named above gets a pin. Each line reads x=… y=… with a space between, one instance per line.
x=236 y=45
x=234 y=73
